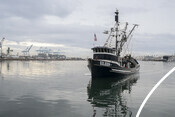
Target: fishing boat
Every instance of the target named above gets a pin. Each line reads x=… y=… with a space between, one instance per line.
x=107 y=59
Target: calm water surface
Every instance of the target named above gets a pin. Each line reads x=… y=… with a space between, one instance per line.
x=65 y=89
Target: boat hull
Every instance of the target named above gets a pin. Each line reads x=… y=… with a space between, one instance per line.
x=101 y=68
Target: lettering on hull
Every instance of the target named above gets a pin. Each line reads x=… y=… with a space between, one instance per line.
x=102 y=63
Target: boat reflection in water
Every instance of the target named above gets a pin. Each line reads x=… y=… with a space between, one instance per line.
x=108 y=94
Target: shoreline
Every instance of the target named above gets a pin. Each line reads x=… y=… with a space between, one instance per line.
x=29 y=59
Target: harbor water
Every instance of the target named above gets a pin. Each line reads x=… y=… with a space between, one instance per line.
x=65 y=89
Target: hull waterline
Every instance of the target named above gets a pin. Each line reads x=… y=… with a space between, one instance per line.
x=98 y=70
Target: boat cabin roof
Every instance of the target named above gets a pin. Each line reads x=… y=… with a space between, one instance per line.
x=104 y=49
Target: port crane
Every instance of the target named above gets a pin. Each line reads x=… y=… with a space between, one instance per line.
x=27 y=50
x=1 y=45
x=43 y=50
x=9 y=51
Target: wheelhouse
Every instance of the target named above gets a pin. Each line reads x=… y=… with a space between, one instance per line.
x=104 y=53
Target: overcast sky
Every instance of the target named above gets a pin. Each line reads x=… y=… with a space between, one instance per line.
x=69 y=25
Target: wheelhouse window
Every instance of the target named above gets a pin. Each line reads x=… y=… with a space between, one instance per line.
x=105 y=57
x=103 y=50
x=108 y=50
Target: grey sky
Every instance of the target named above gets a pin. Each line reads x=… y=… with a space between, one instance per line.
x=72 y=23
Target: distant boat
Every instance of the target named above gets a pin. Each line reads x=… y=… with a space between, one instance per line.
x=107 y=60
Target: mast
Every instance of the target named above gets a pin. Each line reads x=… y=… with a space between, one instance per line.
x=116 y=28
x=120 y=36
